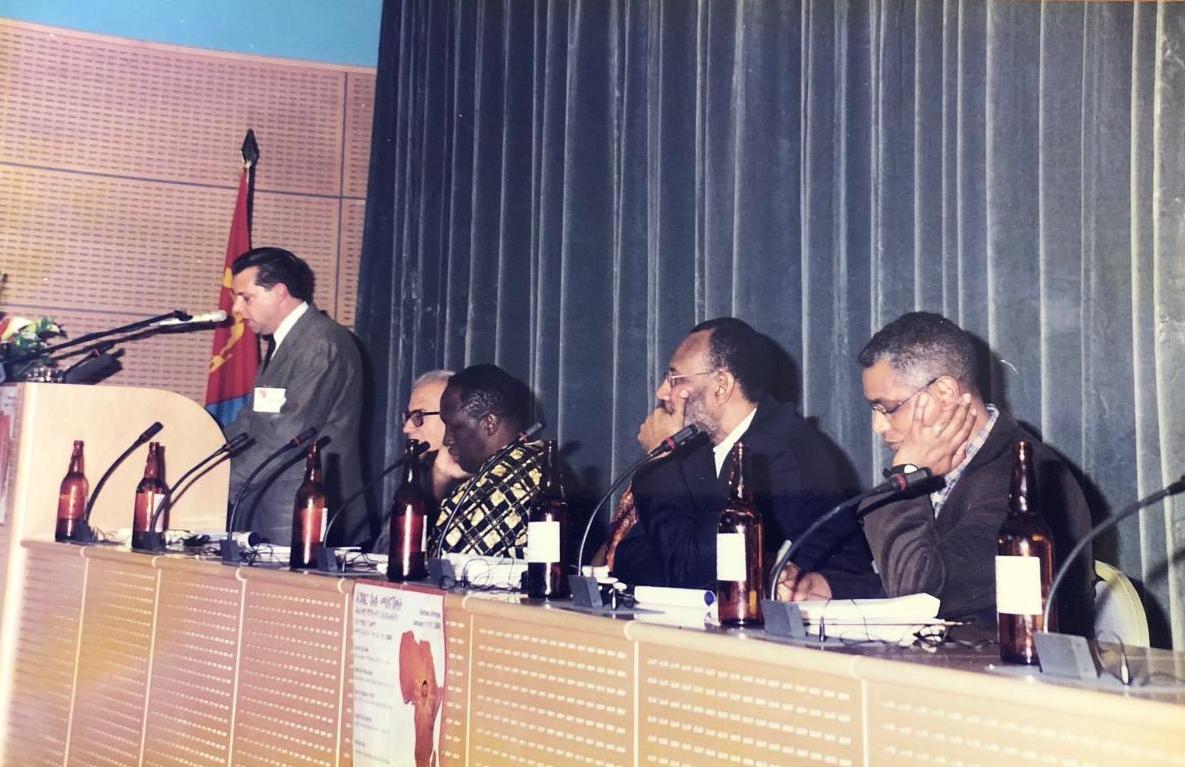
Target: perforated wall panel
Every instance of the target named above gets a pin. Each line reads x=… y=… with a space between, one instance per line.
x=542 y=695
x=290 y=673
x=43 y=674
x=696 y=708
x=113 y=663
x=118 y=107
x=359 y=115
x=193 y=670
x=119 y=162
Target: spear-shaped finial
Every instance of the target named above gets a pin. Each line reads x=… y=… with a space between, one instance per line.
x=250 y=148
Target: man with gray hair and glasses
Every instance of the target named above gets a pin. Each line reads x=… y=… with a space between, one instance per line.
x=920 y=378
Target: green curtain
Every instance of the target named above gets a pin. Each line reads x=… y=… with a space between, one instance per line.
x=565 y=188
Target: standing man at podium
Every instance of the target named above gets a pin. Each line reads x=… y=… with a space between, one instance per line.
x=311 y=376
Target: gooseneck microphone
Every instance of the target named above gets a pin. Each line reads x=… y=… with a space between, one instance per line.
x=1099 y=529
x=85 y=534
x=238 y=442
x=522 y=438
x=667 y=446
x=230 y=548
x=894 y=485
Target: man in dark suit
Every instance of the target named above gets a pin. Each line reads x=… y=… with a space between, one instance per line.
x=311 y=376
x=920 y=375
x=718 y=380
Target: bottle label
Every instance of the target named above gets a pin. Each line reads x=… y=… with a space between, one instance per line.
x=543 y=542
x=1018 y=585
x=730 y=557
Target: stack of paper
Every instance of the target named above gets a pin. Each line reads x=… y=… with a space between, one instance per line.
x=895 y=620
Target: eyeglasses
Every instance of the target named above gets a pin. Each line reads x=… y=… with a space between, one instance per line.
x=879 y=408
x=671 y=378
x=417 y=416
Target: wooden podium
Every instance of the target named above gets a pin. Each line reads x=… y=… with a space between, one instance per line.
x=38 y=425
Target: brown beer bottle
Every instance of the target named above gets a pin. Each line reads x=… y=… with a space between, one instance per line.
x=308 y=513
x=739 y=552
x=72 y=496
x=1024 y=565
x=409 y=521
x=149 y=493
x=547 y=532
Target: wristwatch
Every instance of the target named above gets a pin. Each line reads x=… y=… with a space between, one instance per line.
x=901 y=468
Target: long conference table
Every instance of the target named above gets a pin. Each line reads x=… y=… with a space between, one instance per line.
x=124 y=659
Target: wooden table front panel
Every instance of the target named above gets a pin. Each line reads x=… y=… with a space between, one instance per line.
x=113 y=660
x=191 y=703
x=549 y=688
x=722 y=706
x=43 y=673
x=292 y=661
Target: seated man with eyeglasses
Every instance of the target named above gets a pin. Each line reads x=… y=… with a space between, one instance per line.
x=421 y=421
x=718 y=380
x=920 y=374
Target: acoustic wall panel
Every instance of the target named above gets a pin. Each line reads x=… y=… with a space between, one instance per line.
x=119 y=162
x=359 y=115
x=118 y=107
x=350 y=248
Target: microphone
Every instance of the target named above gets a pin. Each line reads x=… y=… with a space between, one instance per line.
x=230 y=549
x=218 y=315
x=85 y=534
x=322 y=553
x=238 y=442
x=523 y=437
x=672 y=443
x=898 y=483
x=1096 y=531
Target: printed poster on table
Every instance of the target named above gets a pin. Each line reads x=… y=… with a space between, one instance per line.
x=398 y=676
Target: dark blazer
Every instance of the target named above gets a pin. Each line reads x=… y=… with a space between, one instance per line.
x=679 y=500
x=320 y=369
x=952 y=556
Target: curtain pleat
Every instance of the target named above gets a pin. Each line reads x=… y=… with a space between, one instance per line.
x=565 y=188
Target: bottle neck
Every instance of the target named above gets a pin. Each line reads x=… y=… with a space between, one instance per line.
x=552 y=483
x=1022 y=493
x=152 y=465
x=739 y=490
x=77 y=464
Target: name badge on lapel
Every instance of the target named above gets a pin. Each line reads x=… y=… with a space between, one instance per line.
x=268 y=399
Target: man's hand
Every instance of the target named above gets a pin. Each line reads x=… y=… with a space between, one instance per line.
x=938 y=434
x=797 y=586
x=663 y=421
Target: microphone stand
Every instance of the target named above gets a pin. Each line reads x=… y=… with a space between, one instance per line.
x=85 y=534
x=325 y=558
x=1102 y=527
x=784 y=618
x=230 y=547
x=87 y=338
x=586 y=592
x=239 y=441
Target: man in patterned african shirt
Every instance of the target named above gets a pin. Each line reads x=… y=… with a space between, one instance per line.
x=484 y=409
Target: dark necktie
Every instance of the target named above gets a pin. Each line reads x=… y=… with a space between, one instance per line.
x=267 y=355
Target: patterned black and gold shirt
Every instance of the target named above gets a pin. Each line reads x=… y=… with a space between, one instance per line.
x=494 y=504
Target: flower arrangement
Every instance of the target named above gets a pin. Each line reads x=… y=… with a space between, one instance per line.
x=22 y=342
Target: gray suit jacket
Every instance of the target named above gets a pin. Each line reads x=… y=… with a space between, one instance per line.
x=320 y=369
